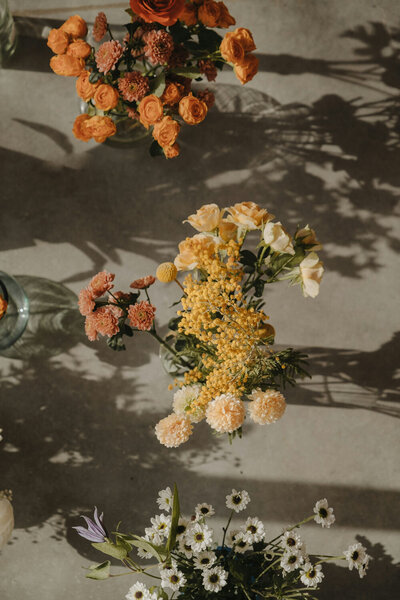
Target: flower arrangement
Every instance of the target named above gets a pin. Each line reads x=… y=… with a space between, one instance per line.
x=245 y=564
x=220 y=342
x=146 y=79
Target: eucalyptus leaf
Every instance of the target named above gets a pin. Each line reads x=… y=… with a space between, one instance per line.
x=100 y=571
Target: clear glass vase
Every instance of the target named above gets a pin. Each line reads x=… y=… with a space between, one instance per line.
x=8 y=35
x=15 y=312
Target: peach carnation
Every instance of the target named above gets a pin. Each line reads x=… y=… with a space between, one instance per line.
x=99 y=27
x=143 y=282
x=90 y=328
x=58 y=41
x=174 y=430
x=133 y=86
x=105 y=320
x=141 y=315
x=226 y=413
x=86 y=303
x=101 y=283
x=108 y=55
x=266 y=407
x=159 y=46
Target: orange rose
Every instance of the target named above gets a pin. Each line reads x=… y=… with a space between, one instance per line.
x=100 y=128
x=79 y=49
x=189 y=15
x=58 y=41
x=245 y=37
x=172 y=94
x=192 y=110
x=232 y=49
x=106 y=97
x=75 y=26
x=225 y=19
x=172 y=151
x=165 y=12
x=63 y=64
x=150 y=110
x=209 y=13
x=78 y=129
x=166 y=131
x=246 y=71
x=84 y=88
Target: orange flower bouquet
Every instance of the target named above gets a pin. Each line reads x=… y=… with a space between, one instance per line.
x=145 y=80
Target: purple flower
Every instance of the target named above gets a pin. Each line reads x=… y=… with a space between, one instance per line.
x=96 y=531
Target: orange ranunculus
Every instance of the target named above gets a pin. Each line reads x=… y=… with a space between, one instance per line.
x=246 y=71
x=209 y=13
x=172 y=151
x=79 y=49
x=150 y=110
x=63 y=64
x=75 y=26
x=172 y=93
x=58 y=41
x=166 y=131
x=84 y=88
x=189 y=15
x=232 y=49
x=225 y=19
x=78 y=129
x=106 y=97
x=192 y=110
x=246 y=38
x=100 y=128
x=165 y=12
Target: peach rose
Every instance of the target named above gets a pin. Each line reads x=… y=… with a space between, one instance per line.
x=165 y=12
x=189 y=15
x=309 y=238
x=79 y=49
x=69 y=66
x=206 y=218
x=227 y=230
x=78 y=129
x=209 y=13
x=245 y=37
x=75 y=26
x=106 y=97
x=172 y=151
x=100 y=128
x=311 y=270
x=150 y=110
x=246 y=71
x=84 y=88
x=192 y=110
x=225 y=19
x=232 y=49
x=191 y=248
x=166 y=131
x=172 y=93
x=58 y=41
x=248 y=215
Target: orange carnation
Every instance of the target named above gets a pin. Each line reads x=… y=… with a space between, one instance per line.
x=246 y=71
x=166 y=131
x=75 y=26
x=79 y=49
x=150 y=110
x=209 y=13
x=165 y=12
x=106 y=97
x=189 y=15
x=172 y=151
x=58 y=41
x=192 y=110
x=225 y=18
x=63 y=64
x=232 y=49
x=172 y=93
x=100 y=128
x=84 y=88
x=78 y=129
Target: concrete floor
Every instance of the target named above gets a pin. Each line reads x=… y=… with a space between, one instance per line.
x=78 y=418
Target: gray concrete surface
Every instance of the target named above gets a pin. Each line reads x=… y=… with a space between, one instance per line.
x=78 y=419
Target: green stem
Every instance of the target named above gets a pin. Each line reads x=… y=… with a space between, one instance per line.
x=225 y=529
x=268 y=568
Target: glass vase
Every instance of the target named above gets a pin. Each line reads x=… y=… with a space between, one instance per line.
x=15 y=312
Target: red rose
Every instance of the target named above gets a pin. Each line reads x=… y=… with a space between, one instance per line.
x=165 y=12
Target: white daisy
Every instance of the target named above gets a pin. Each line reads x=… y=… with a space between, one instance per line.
x=362 y=569
x=214 y=579
x=291 y=560
x=253 y=530
x=173 y=579
x=231 y=537
x=323 y=513
x=165 y=499
x=183 y=525
x=199 y=537
x=237 y=501
x=240 y=545
x=204 y=560
x=204 y=510
x=291 y=541
x=161 y=524
x=311 y=575
x=185 y=548
x=138 y=592
x=182 y=402
x=356 y=555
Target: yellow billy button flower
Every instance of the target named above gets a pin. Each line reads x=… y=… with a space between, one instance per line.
x=166 y=272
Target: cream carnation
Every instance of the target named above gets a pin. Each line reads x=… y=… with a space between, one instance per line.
x=226 y=413
x=174 y=430
x=266 y=407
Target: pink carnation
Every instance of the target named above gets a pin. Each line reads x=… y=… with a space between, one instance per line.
x=133 y=86
x=141 y=315
x=101 y=283
x=99 y=27
x=86 y=303
x=90 y=328
x=108 y=55
x=132 y=113
x=144 y=282
x=159 y=46
x=105 y=321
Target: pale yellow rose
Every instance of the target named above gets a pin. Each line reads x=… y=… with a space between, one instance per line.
x=227 y=230
x=206 y=218
x=191 y=248
x=309 y=238
x=311 y=270
x=248 y=215
x=278 y=238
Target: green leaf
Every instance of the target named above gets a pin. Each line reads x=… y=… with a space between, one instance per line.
x=155 y=149
x=259 y=288
x=179 y=33
x=176 y=511
x=190 y=72
x=100 y=571
x=247 y=257
x=115 y=550
x=209 y=39
x=157 y=85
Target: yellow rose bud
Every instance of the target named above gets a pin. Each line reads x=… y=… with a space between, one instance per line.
x=166 y=272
